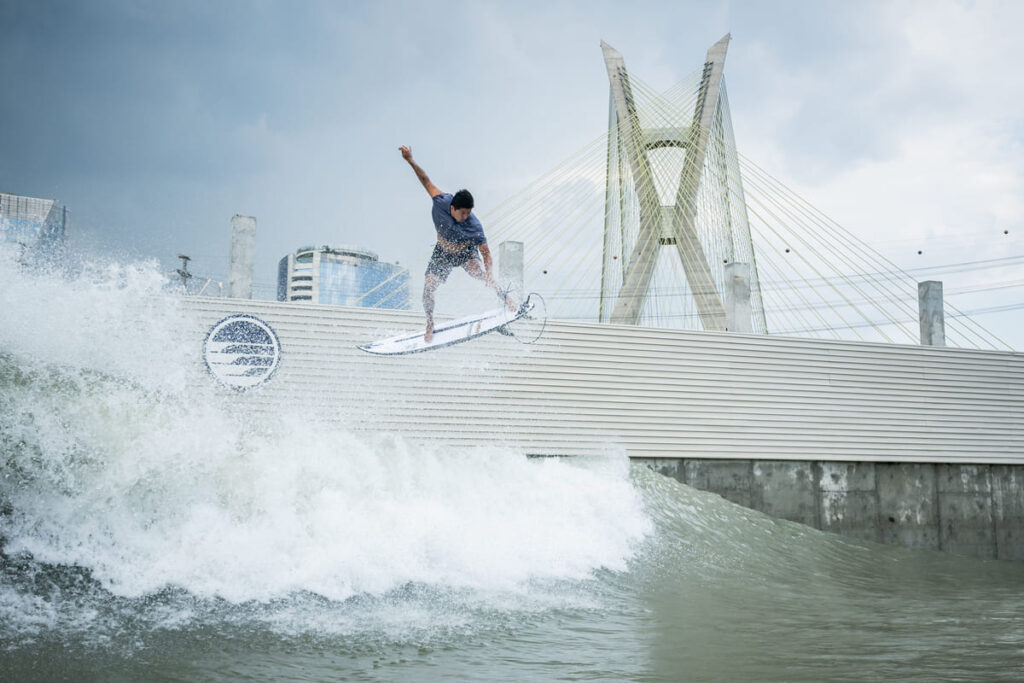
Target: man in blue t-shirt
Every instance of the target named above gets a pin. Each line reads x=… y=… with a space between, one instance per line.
x=460 y=241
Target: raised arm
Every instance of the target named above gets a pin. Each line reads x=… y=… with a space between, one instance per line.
x=430 y=187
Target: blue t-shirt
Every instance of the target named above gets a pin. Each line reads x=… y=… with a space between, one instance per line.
x=469 y=230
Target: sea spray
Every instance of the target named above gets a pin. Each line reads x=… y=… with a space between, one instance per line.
x=182 y=500
x=120 y=461
x=108 y=317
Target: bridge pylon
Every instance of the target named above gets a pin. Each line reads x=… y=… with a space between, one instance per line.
x=703 y=218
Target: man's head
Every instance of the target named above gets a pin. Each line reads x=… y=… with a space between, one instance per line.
x=462 y=204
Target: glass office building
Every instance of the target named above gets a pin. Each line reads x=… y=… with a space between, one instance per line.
x=342 y=276
x=31 y=222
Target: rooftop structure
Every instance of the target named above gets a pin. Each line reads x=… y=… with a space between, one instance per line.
x=31 y=222
x=342 y=276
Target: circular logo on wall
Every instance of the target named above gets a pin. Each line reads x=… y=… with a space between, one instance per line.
x=242 y=351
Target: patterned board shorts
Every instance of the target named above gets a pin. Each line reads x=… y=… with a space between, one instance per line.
x=442 y=263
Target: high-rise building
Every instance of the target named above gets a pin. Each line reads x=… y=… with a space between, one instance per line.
x=32 y=222
x=342 y=276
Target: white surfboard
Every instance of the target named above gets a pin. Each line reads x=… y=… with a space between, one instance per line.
x=448 y=333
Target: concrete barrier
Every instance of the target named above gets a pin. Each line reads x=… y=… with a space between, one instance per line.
x=974 y=510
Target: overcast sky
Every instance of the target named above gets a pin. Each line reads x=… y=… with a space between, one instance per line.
x=155 y=122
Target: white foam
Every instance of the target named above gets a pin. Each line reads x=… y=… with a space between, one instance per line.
x=146 y=484
x=110 y=317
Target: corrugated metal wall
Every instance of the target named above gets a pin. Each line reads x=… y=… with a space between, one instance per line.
x=655 y=393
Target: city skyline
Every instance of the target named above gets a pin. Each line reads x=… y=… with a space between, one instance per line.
x=155 y=125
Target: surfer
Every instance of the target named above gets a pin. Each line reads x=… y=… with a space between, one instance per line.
x=460 y=241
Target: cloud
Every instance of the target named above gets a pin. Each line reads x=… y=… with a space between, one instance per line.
x=910 y=134
x=157 y=122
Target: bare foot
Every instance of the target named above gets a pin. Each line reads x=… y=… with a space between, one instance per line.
x=429 y=333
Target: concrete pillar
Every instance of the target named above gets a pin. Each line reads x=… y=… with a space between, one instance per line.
x=933 y=325
x=510 y=266
x=737 y=298
x=243 y=239
x=643 y=256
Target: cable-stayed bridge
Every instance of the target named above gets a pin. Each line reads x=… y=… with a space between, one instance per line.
x=660 y=221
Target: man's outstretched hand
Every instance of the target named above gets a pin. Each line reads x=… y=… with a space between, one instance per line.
x=430 y=187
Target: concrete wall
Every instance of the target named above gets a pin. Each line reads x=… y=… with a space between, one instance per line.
x=975 y=510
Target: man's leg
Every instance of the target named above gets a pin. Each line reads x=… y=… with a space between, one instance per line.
x=430 y=285
x=476 y=269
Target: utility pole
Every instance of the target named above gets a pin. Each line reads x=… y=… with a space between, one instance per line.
x=183 y=272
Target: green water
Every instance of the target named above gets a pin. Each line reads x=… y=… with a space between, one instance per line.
x=713 y=593
x=151 y=531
